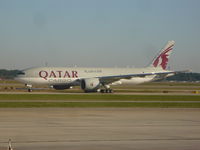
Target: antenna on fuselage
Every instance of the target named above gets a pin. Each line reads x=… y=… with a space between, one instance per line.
x=9 y=145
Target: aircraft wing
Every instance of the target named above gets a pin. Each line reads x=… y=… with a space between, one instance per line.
x=110 y=79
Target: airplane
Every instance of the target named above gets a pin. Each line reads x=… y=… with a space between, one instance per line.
x=98 y=79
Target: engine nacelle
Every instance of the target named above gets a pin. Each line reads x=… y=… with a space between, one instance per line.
x=61 y=87
x=90 y=84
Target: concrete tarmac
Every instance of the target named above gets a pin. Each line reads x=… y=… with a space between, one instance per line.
x=100 y=128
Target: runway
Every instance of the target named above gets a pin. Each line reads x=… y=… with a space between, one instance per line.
x=100 y=128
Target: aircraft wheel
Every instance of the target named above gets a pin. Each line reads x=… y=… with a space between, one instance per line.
x=106 y=90
x=109 y=90
x=102 y=91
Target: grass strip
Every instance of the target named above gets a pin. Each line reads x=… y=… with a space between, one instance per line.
x=94 y=97
x=93 y=104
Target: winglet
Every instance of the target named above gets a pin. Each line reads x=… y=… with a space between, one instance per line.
x=161 y=60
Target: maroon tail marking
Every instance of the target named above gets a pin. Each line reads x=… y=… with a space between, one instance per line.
x=164 y=58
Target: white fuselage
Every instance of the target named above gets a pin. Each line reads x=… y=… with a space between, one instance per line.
x=62 y=75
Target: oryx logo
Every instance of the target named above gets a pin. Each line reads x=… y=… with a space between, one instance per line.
x=163 y=57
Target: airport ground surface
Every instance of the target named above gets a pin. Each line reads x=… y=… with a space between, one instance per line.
x=149 y=116
x=100 y=128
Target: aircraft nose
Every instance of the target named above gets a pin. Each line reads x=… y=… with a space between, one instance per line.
x=19 y=75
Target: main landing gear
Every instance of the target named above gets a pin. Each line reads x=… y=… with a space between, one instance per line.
x=106 y=89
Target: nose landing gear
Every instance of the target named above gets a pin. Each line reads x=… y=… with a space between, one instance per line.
x=29 y=87
x=30 y=90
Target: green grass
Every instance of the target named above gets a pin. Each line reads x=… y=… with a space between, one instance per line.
x=95 y=97
x=30 y=100
x=95 y=105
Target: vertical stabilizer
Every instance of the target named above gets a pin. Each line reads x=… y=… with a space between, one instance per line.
x=161 y=60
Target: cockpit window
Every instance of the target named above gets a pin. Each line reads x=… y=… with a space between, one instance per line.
x=21 y=73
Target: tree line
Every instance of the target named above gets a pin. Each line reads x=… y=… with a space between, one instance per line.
x=8 y=74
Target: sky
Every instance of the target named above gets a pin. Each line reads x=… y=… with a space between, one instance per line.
x=98 y=33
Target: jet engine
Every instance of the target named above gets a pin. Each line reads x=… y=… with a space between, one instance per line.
x=61 y=87
x=90 y=84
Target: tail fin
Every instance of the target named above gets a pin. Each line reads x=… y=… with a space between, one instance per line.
x=161 y=60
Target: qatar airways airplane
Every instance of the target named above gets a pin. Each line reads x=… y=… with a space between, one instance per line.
x=98 y=79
